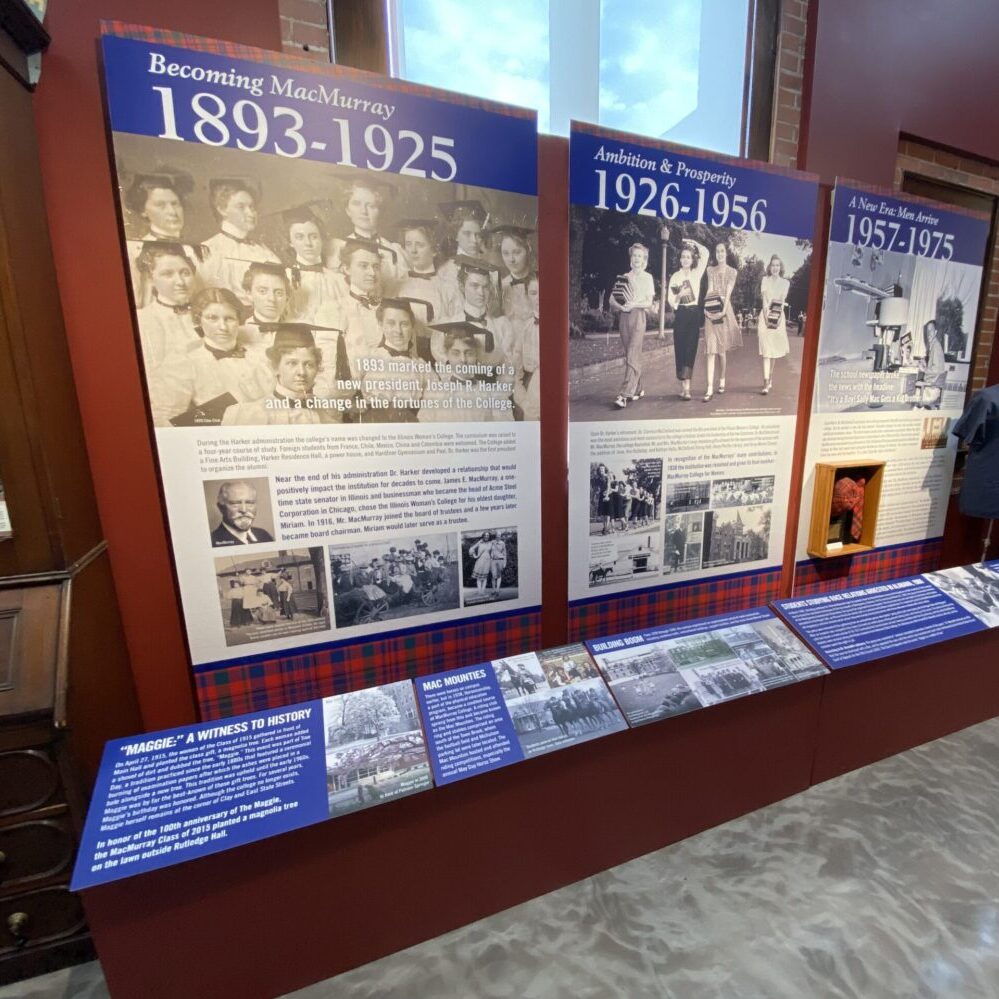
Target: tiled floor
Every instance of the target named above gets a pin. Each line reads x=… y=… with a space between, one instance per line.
x=883 y=883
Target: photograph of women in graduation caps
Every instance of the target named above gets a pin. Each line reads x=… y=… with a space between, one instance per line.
x=654 y=319
x=274 y=291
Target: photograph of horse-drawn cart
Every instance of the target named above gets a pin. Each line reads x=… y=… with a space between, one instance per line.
x=396 y=578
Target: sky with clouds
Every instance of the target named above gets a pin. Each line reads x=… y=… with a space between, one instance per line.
x=648 y=57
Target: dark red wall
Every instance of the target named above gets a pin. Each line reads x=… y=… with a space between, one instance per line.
x=78 y=191
x=923 y=67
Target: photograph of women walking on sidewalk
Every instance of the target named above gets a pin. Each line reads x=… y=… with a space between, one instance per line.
x=643 y=342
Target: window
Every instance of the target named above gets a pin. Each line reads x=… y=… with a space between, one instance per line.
x=671 y=69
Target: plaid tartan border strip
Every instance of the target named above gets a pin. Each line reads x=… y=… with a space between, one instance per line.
x=664 y=605
x=196 y=43
x=242 y=688
x=824 y=575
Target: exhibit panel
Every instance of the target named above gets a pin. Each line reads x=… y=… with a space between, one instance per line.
x=869 y=623
x=335 y=288
x=688 y=281
x=901 y=297
x=670 y=670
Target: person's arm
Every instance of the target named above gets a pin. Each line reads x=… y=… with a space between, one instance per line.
x=703 y=259
x=730 y=278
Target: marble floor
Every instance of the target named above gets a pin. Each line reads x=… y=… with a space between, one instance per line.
x=882 y=883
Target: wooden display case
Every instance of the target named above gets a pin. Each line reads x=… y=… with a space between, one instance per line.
x=833 y=534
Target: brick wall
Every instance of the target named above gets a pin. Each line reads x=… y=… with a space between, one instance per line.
x=304 y=28
x=937 y=164
x=785 y=132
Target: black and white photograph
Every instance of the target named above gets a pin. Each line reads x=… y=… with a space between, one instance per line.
x=567 y=664
x=646 y=683
x=974 y=587
x=735 y=536
x=897 y=331
x=395 y=578
x=276 y=291
x=239 y=511
x=548 y=716
x=679 y=320
x=745 y=491
x=375 y=749
x=682 y=497
x=624 y=494
x=723 y=681
x=683 y=543
x=793 y=654
x=757 y=654
x=273 y=594
x=629 y=557
x=489 y=566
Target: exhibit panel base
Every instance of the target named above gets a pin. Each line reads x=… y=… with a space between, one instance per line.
x=324 y=899
x=879 y=709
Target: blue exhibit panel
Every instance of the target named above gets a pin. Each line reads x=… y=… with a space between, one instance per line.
x=901 y=225
x=186 y=95
x=872 y=622
x=466 y=723
x=172 y=796
x=644 y=177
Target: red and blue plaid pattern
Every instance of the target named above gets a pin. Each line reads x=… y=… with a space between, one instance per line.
x=255 y=685
x=611 y=615
x=822 y=575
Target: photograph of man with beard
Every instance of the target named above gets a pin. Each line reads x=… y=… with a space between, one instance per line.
x=236 y=502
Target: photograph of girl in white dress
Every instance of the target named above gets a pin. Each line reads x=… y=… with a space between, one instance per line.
x=676 y=320
x=489 y=566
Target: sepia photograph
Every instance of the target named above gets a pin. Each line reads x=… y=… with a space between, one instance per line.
x=239 y=511
x=550 y=715
x=567 y=664
x=274 y=594
x=625 y=494
x=276 y=291
x=375 y=749
x=672 y=320
x=393 y=579
x=936 y=432
x=489 y=566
